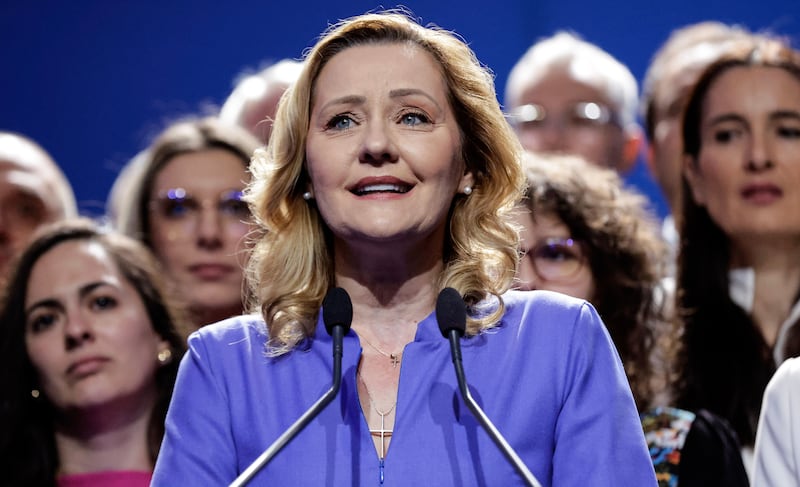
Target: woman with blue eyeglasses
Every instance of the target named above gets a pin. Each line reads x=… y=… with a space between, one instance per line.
x=583 y=233
x=182 y=198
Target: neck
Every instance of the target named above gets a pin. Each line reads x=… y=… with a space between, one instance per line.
x=391 y=291
x=201 y=316
x=110 y=437
x=777 y=282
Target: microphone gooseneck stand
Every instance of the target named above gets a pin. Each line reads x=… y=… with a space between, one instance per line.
x=451 y=314
x=337 y=314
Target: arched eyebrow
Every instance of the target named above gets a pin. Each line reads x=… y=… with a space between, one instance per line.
x=403 y=92
x=54 y=303
x=727 y=117
x=345 y=100
x=784 y=114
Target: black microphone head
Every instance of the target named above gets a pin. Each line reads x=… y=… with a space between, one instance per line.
x=451 y=312
x=337 y=309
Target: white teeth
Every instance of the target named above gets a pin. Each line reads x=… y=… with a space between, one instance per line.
x=375 y=188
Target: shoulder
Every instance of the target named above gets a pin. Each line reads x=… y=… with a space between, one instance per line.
x=247 y=330
x=555 y=319
x=546 y=308
x=542 y=302
x=786 y=379
x=789 y=371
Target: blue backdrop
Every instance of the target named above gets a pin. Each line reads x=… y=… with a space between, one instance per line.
x=94 y=80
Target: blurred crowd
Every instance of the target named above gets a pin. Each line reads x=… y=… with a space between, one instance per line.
x=703 y=306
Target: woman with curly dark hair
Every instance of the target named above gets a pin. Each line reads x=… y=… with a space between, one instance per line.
x=586 y=235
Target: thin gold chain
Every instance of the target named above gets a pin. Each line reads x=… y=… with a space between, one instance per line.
x=371 y=401
x=396 y=358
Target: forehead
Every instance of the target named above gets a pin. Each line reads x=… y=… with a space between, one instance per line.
x=18 y=176
x=378 y=66
x=565 y=83
x=753 y=88
x=68 y=266
x=547 y=223
x=210 y=169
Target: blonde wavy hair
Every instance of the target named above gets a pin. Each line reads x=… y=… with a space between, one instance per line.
x=291 y=267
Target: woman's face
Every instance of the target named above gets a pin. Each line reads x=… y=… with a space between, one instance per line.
x=87 y=331
x=383 y=149
x=551 y=259
x=747 y=173
x=198 y=225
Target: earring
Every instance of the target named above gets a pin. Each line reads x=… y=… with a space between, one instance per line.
x=467 y=190
x=307 y=196
x=35 y=393
x=164 y=356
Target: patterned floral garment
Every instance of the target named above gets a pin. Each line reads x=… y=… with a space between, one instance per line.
x=665 y=430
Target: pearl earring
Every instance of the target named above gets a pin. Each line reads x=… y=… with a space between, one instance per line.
x=35 y=393
x=467 y=190
x=307 y=196
x=164 y=356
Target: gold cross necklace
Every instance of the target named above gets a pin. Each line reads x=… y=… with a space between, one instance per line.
x=396 y=358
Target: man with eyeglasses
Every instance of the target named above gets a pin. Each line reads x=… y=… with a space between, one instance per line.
x=569 y=96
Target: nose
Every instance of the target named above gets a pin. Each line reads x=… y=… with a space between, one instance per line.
x=378 y=146
x=209 y=229
x=77 y=331
x=759 y=158
x=547 y=137
x=552 y=136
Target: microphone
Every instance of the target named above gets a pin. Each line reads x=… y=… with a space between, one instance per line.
x=337 y=314
x=451 y=314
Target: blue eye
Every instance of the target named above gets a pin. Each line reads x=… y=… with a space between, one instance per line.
x=414 y=118
x=340 y=122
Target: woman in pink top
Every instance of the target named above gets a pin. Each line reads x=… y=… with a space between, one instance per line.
x=94 y=344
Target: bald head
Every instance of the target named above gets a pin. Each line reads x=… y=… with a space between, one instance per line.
x=254 y=101
x=33 y=191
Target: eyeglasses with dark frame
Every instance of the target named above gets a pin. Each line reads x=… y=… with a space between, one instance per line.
x=556 y=258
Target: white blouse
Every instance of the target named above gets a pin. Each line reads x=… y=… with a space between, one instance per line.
x=777 y=449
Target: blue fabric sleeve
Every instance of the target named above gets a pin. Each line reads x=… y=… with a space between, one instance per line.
x=197 y=426
x=599 y=439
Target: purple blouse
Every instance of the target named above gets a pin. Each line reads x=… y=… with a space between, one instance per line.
x=548 y=377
